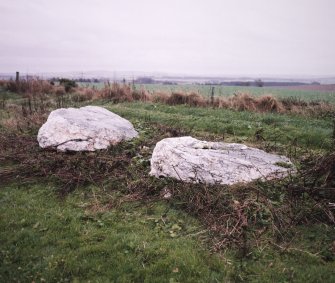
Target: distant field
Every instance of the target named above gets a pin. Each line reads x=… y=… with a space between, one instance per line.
x=324 y=88
x=307 y=93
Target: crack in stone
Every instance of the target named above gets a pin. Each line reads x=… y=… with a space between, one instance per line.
x=74 y=140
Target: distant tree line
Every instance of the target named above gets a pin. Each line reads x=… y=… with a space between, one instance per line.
x=78 y=80
x=82 y=80
x=145 y=80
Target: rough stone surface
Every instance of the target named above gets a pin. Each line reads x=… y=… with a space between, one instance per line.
x=196 y=161
x=85 y=129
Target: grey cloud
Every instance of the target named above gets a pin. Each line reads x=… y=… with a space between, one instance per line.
x=195 y=37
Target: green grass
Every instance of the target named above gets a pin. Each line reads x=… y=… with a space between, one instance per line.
x=47 y=239
x=278 y=130
x=296 y=264
x=8 y=97
x=92 y=235
x=257 y=91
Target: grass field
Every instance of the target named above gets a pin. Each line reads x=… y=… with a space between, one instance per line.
x=46 y=239
x=119 y=229
x=278 y=130
x=306 y=95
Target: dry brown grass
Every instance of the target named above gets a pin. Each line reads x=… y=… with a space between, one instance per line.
x=247 y=102
x=82 y=94
x=269 y=103
x=30 y=111
x=242 y=102
x=235 y=215
x=160 y=97
x=229 y=213
x=25 y=118
x=191 y=99
x=238 y=102
x=239 y=215
x=323 y=172
x=3 y=83
x=116 y=92
x=180 y=98
x=59 y=90
x=141 y=95
x=33 y=86
x=313 y=108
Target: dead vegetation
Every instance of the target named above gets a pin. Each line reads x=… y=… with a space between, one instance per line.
x=32 y=86
x=27 y=162
x=121 y=93
x=25 y=117
x=116 y=93
x=322 y=173
x=245 y=215
x=239 y=101
x=241 y=216
x=177 y=98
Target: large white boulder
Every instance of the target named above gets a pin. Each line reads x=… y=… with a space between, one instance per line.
x=191 y=160
x=85 y=129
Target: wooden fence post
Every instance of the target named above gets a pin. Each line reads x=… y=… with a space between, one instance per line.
x=212 y=96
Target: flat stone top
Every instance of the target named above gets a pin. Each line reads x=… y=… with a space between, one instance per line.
x=196 y=161
x=85 y=129
x=92 y=115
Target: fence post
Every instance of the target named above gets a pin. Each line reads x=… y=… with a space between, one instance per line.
x=212 y=96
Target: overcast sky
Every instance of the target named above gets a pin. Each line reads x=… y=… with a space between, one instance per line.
x=204 y=37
